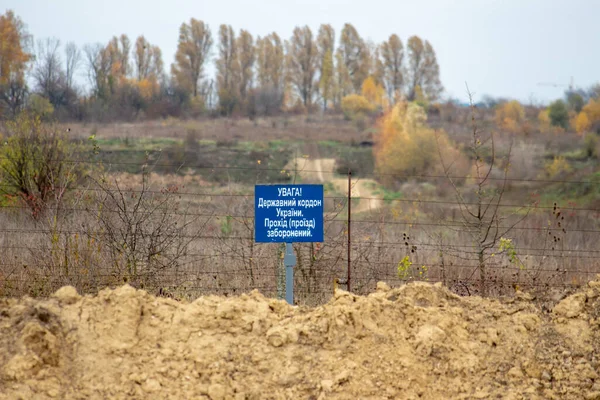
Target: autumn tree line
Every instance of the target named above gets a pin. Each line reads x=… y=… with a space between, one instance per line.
x=128 y=79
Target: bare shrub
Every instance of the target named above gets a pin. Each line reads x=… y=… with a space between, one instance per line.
x=143 y=231
x=480 y=211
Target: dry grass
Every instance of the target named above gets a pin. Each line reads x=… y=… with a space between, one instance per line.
x=225 y=259
x=227 y=129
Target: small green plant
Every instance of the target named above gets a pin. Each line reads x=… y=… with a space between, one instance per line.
x=40 y=106
x=226 y=227
x=404 y=268
x=591 y=145
x=507 y=247
x=557 y=167
x=423 y=273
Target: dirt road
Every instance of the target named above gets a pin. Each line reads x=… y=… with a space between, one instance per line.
x=312 y=168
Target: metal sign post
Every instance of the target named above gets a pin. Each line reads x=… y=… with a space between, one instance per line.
x=287 y=214
x=290 y=262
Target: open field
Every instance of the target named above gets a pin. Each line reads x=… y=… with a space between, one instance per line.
x=313 y=127
x=120 y=165
x=208 y=185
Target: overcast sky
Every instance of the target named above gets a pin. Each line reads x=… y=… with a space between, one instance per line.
x=499 y=47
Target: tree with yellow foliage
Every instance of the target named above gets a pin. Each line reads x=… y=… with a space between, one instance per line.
x=326 y=80
x=592 y=109
x=14 y=57
x=582 y=123
x=118 y=50
x=544 y=121
x=355 y=105
x=374 y=93
x=510 y=115
x=148 y=66
x=407 y=146
x=147 y=60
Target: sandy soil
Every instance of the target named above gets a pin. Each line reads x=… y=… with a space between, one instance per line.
x=416 y=342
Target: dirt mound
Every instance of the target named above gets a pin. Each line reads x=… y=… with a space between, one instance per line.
x=417 y=341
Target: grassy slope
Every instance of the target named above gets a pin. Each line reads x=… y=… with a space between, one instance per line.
x=258 y=152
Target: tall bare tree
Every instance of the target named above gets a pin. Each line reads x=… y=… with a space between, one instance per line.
x=270 y=61
x=270 y=74
x=303 y=62
x=392 y=54
x=432 y=85
x=343 y=82
x=118 y=50
x=355 y=56
x=48 y=72
x=377 y=70
x=72 y=60
x=246 y=59
x=227 y=69
x=423 y=69
x=147 y=60
x=98 y=69
x=193 y=49
x=325 y=45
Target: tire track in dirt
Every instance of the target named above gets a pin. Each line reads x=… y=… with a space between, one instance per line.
x=312 y=168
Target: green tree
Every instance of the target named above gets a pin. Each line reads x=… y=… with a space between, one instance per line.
x=575 y=101
x=40 y=106
x=559 y=114
x=36 y=164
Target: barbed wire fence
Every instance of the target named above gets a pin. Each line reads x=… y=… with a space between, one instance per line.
x=183 y=243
